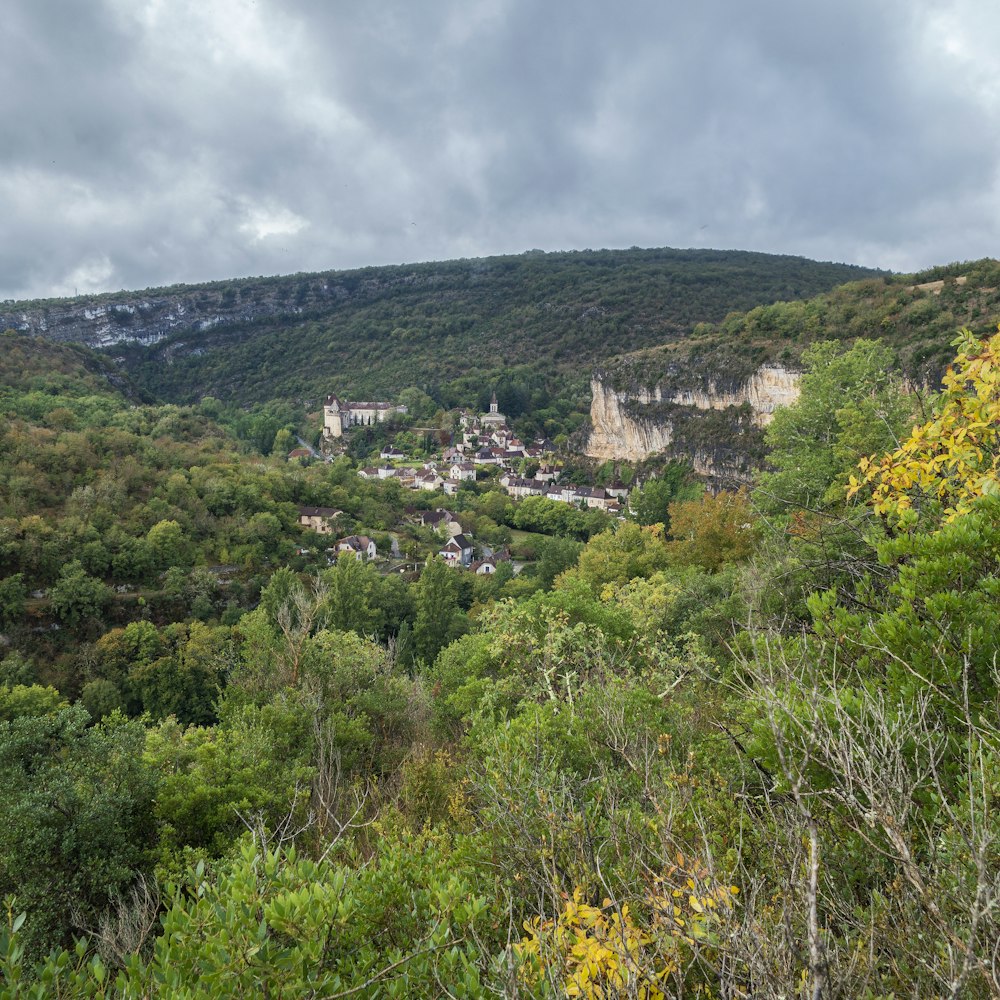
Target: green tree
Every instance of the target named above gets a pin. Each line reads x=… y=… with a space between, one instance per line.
x=12 y=597
x=618 y=555
x=650 y=503
x=351 y=586
x=168 y=545
x=850 y=405
x=555 y=555
x=437 y=619
x=75 y=820
x=21 y=700
x=78 y=599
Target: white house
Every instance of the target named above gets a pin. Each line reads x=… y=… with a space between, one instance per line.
x=339 y=416
x=457 y=551
x=463 y=471
x=361 y=546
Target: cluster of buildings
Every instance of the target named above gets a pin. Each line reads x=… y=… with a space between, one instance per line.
x=434 y=476
x=458 y=550
x=607 y=498
x=487 y=440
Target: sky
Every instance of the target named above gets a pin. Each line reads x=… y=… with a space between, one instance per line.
x=149 y=142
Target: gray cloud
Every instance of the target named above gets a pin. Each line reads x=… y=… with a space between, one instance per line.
x=148 y=142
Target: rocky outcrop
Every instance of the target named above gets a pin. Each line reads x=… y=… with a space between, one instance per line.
x=148 y=317
x=768 y=388
x=715 y=426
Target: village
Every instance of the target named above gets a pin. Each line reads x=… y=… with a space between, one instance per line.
x=484 y=445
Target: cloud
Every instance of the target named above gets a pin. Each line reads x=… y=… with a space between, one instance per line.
x=153 y=142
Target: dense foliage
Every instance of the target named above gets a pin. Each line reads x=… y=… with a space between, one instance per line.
x=745 y=748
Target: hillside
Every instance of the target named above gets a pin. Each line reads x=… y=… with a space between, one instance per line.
x=917 y=315
x=34 y=365
x=446 y=327
x=706 y=397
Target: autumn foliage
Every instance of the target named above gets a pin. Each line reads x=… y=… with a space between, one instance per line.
x=954 y=457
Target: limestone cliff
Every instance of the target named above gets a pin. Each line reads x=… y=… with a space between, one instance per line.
x=715 y=424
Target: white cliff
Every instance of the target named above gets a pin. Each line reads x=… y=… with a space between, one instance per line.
x=618 y=433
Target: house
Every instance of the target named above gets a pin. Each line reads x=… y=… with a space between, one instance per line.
x=451 y=487
x=463 y=471
x=369 y=472
x=548 y=473
x=483 y=567
x=429 y=481
x=564 y=494
x=441 y=520
x=593 y=497
x=617 y=489
x=389 y=452
x=318 y=519
x=517 y=487
x=457 y=551
x=360 y=545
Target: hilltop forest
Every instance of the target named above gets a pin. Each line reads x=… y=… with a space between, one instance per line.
x=735 y=744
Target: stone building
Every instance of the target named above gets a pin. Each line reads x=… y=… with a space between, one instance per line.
x=340 y=416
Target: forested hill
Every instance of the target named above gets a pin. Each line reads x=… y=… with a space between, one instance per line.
x=916 y=315
x=32 y=368
x=441 y=326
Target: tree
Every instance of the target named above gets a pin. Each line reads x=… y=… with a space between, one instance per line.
x=78 y=599
x=350 y=587
x=953 y=458
x=12 y=596
x=650 y=503
x=76 y=820
x=20 y=701
x=713 y=530
x=168 y=546
x=437 y=619
x=555 y=555
x=850 y=404
x=617 y=555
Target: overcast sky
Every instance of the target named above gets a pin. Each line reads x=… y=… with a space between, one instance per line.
x=147 y=142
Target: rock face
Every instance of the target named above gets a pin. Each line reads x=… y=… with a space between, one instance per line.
x=769 y=387
x=147 y=318
x=717 y=428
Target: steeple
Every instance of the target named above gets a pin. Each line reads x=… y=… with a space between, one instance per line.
x=493 y=403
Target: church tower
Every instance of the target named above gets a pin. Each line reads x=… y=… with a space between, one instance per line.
x=493 y=403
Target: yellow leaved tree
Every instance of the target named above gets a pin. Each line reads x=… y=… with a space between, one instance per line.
x=600 y=952
x=955 y=456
